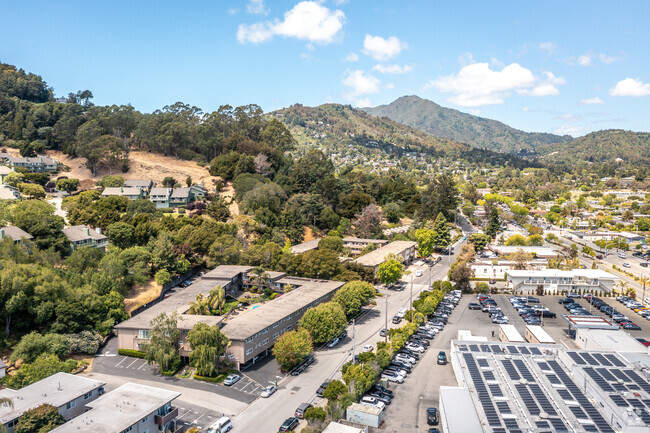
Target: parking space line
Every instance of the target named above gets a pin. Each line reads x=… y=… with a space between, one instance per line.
x=134 y=361
x=143 y=364
x=123 y=359
x=255 y=389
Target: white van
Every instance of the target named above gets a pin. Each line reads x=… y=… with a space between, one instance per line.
x=224 y=423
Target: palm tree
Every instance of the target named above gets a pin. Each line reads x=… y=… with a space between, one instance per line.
x=200 y=306
x=217 y=299
x=258 y=276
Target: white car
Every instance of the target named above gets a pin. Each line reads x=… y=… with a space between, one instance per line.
x=393 y=378
x=334 y=343
x=268 y=391
x=415 y=348
x=405 y=358
x=367 y=348
x=418 y=273
x=231 y=379
x=372 y=401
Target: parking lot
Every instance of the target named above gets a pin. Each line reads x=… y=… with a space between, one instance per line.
x=195 y=416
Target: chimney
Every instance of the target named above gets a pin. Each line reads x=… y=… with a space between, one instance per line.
x=2 y=234
x=87 y=231
x=99 y=230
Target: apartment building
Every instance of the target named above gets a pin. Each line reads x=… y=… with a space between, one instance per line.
x=554 y=281
x=67 y=392
x=144 y=185
x=356 y=245
x=17 y=234
x=131 y=408
x=37 y=164
x=405 y=249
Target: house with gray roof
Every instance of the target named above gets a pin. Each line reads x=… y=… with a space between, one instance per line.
x=17 y=234
x=9 y=193
x=160 y=196
x=84 y=236
x=144 y=185
x=37 y=164
x=131 y=193
x=4 y=171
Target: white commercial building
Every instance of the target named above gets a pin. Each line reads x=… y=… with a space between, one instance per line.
x=497 y=268
x=556 y=281
x=609 y=339
x=457 y=411
x=509 y=334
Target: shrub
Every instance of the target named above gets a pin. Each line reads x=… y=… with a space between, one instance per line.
x=218 y=379
x=84 y=342
x=131 y=353
x=163 y=277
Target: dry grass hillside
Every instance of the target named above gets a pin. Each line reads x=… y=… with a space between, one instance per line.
x=143 y=165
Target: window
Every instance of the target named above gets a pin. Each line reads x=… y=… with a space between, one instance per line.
x=266 y=341
x=275 y=335
x=126 y=430
x=145 y=419
x=88 y=395
x=71 y=404
x=288 y=327
x=249 y=351
x=249 y=339
x=265 y=331
x=275 y=325
x=11 y=424
x=143 y=334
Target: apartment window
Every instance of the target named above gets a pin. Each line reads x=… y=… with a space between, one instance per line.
x=275 y=325
x=265 y=331
x=126 y=430
x=249 y=351
x=276 y=335
x=13 y=423
x=71 y=404
x=288 y=327
x=249 y=339
x=145 y=419
x=88 y=395
x=266 y=341
x=143 y=334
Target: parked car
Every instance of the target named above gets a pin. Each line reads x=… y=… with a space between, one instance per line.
x=383 y=332
x=392 y=377
x=573 y=295
x=367 y=348
x=268 y=391
x=474 y=306
x=231 y=379
x=289 y=424
x=372 y=401
x=414 y=347
x=418 y=273
x=631 y=326
x=333 y=343
x=442 y=358
x=383 y=390
x=300 y=412
x=396 y=320
x=381 y=397
x=321 y=388
x=432 y=416
x=223 y=424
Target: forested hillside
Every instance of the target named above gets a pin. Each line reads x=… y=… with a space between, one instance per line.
x=454 y=125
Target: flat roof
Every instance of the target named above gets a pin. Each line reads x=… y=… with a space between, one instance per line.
x=119 y=409
x=335 y=427
x=511 y=333
x=588 y=273
x=254 y=320
x=458 y=411
x=365 y=408
x=365 y=241
x=593 y=322
x=540 y=334
x=120 y=190
x=378 y=256
x=614 y=339
x=56 y=390
x=539 y=251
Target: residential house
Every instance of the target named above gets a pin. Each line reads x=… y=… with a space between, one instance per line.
x=405 y=249
x=17 y=234
x=9 y=193
x=67 y=392
x=356 y=245
x=144 y=185
x=36 y=164
x=132 y=408
x=4 y=171
x=160 y=196
x=84 y=236
x=180 y=197
x=198 y=192
x=131 y=193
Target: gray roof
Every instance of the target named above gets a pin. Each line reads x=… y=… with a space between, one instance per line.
x=35 y=160
x=364 y=241
x=6 y=194
x=378 y=256
x=78 y=233
x=57 y=390
x=305 y=246
x=180 y=193
x=119 y=409
x=461 y=415
x=254 y=320
x=15 y=233
x=5 y=170
x=138 y=183
x=160 y=191
x=121 y=191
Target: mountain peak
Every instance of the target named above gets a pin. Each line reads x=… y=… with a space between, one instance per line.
x=479 y=132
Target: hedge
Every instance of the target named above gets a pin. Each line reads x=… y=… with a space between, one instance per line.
x=132 y=353
x=220 y=378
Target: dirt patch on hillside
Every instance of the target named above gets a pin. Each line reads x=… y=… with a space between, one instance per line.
x=228 y=192
x=142 y=165
x=140 y=295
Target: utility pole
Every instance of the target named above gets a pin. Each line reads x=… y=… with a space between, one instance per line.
x=386 y=322
x=353 y=357
x=411 y=291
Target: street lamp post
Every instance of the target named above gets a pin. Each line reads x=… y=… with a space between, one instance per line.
x=386 y=322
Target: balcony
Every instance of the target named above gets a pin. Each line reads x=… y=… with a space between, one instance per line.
x=166 y=419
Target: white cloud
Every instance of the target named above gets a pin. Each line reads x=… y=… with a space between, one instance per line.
x=382 y=49
x=524 y=110
x=496 y=63
x=585 y=59
x=569 y=129
x=592 y=101
x=361 y=83
x=608 y=59
x=477 y=84
x=630 y=87
x=392 y=69
x=308 y=20
x=466 y=59
x=545 y=86
x=475 y=111
x=390 y=85
x=549 y=47
x=365 y=102
x=232 y=11
x=352 y=57
x=257 y=7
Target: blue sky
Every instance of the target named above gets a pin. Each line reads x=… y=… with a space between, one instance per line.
x=555 y=66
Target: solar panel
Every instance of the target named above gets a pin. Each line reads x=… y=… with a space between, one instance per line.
x=542 y=399
x=483 y=362
x=524 y=351
x=553 y=379
x=527 y=399
x=601 y=359
x=635 y=402
x=590 y=428
x=535 y=351
x=503 y=407
x=606 y=374
x=602 y=383
x=589 y=359
x=558 y=425
x=512 y=349
x=578 y=412
x=566 y=395
x=462 y=348
x=485 y=348
x=639 y=380
x=618 y=400
x=510 y=369
x=525 y=373
x=473 y=347
x=511 y=423
x=489 y=375
x=542 y=424
x=576 y=358
x=543 y=366
x=621 y=375
x=496 y=390
x=614 y=359
x=495 y=348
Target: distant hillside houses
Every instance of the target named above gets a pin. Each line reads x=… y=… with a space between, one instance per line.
x=37 y=164
x=162 y=197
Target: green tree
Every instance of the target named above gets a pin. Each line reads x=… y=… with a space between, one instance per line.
x=392 y=212
x=390 y=271
x=360 y=378
x=426 y=241
x=121 y=234
x=479 y=240
x=516 y=240
x=37 y=218
x=208 y=345
x=354 y=295
x=324 y=322
x=67 y=185
x=32 y=190
x=536 y=240
x=33 y=345
x=45 y=365
x=111 y=181
x=292 y=348
x=495 y=224
x=199 y=306
x=334 y=390
x=440 y=196
x=217 y=299
x=442 y=235
x=320 y=264
x=163 y=277
x=331 y=243
x=460 y=274
x=162 y=347
x=40 y=419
